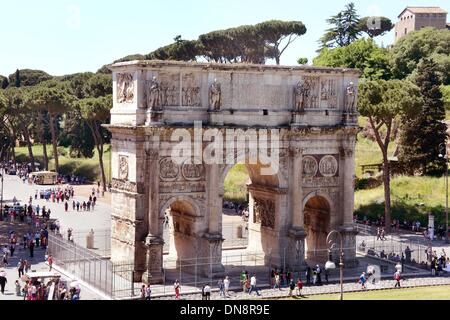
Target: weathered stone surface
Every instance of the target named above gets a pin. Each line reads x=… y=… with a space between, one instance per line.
x=291 y=208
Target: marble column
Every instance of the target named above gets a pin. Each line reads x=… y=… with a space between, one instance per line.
x=296 y=232
x=347 y=228
x=154 y=241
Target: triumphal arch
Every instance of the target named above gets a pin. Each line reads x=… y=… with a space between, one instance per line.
x=178 y=128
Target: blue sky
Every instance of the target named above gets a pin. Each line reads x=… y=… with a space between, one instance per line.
x=68 y=36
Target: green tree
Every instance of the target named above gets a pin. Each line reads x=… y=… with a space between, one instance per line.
x=3 y=82
x=95 y=112
x=17 y=79
x=382 y=102
x=423 y=136
x=278 y=35
x=180 y=50
x=344 y=28
x=28 y=77
x=53 y=98
x=20 y=109
x=302 y=61
x=363 y=54
x=424 y=43
x=375 y=26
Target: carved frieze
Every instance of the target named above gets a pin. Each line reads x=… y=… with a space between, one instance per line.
x=313 y=84
x=328 y=93
x=124 y=185
x=191 y=97
x=181 y=187
x=301 y=94
x=125 y=88
x=123 y=168
x=168 y=170
x=319 y=182
x=264 y=212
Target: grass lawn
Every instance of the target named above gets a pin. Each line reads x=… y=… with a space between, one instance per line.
x=418 y=293
x=86 y=167
x=235 y=184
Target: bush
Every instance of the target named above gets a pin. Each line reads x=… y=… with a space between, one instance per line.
x=367 y=183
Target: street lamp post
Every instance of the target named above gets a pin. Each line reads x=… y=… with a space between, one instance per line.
x=446 y=193
x=331 y=265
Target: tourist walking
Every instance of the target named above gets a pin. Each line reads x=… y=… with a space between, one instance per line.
x=291 y=287
x=308 y=275
x=221 y=288
x=177 y=288
x=299 y=287
x=5 y=260
x=3 y=281
x=31 y=248
x=20 y=267
x=277 y=281
x=397 y=278
x=362 y=280
x=206 y=292
x=253 y=286
x=148 y=292
x=226 y=285
x=50 y=262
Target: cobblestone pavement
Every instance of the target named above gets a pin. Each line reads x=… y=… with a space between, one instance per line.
x=324 y=289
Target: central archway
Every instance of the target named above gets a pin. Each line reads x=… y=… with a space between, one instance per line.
x=317 y=226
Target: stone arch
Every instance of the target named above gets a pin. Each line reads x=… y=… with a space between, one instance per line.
x=185 y=227
x=317 y=221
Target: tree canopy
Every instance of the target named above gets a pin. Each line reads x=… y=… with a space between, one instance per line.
x=382 y=102
x=363 y=54
x=346 y=27
x=424 y=43
x=3 y=82
x=423 y=137
x=29 y=77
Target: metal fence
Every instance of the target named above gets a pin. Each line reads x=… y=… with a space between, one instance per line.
x=114 y=279
x=413 y=253
x=101 y=240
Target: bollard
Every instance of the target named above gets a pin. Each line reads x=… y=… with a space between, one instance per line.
x=90 y=240
x=239 y=232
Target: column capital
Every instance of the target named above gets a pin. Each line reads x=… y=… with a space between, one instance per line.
x=295 y=151
x=346 y=152
x=152 y=154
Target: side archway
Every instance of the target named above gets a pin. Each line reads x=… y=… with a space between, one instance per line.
x=317 y=221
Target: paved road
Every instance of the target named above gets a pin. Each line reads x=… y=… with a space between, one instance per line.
x=325 y=289
x=37 y=265
x=98 y=219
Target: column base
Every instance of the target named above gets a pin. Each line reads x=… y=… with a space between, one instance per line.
x=349 y=233
x=295 y=256
x=213 y=250
x=154 y=273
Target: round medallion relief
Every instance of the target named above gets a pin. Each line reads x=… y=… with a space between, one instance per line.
x=310 y=167
x=168 y=170
x=328 y=166
x=192 y=172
